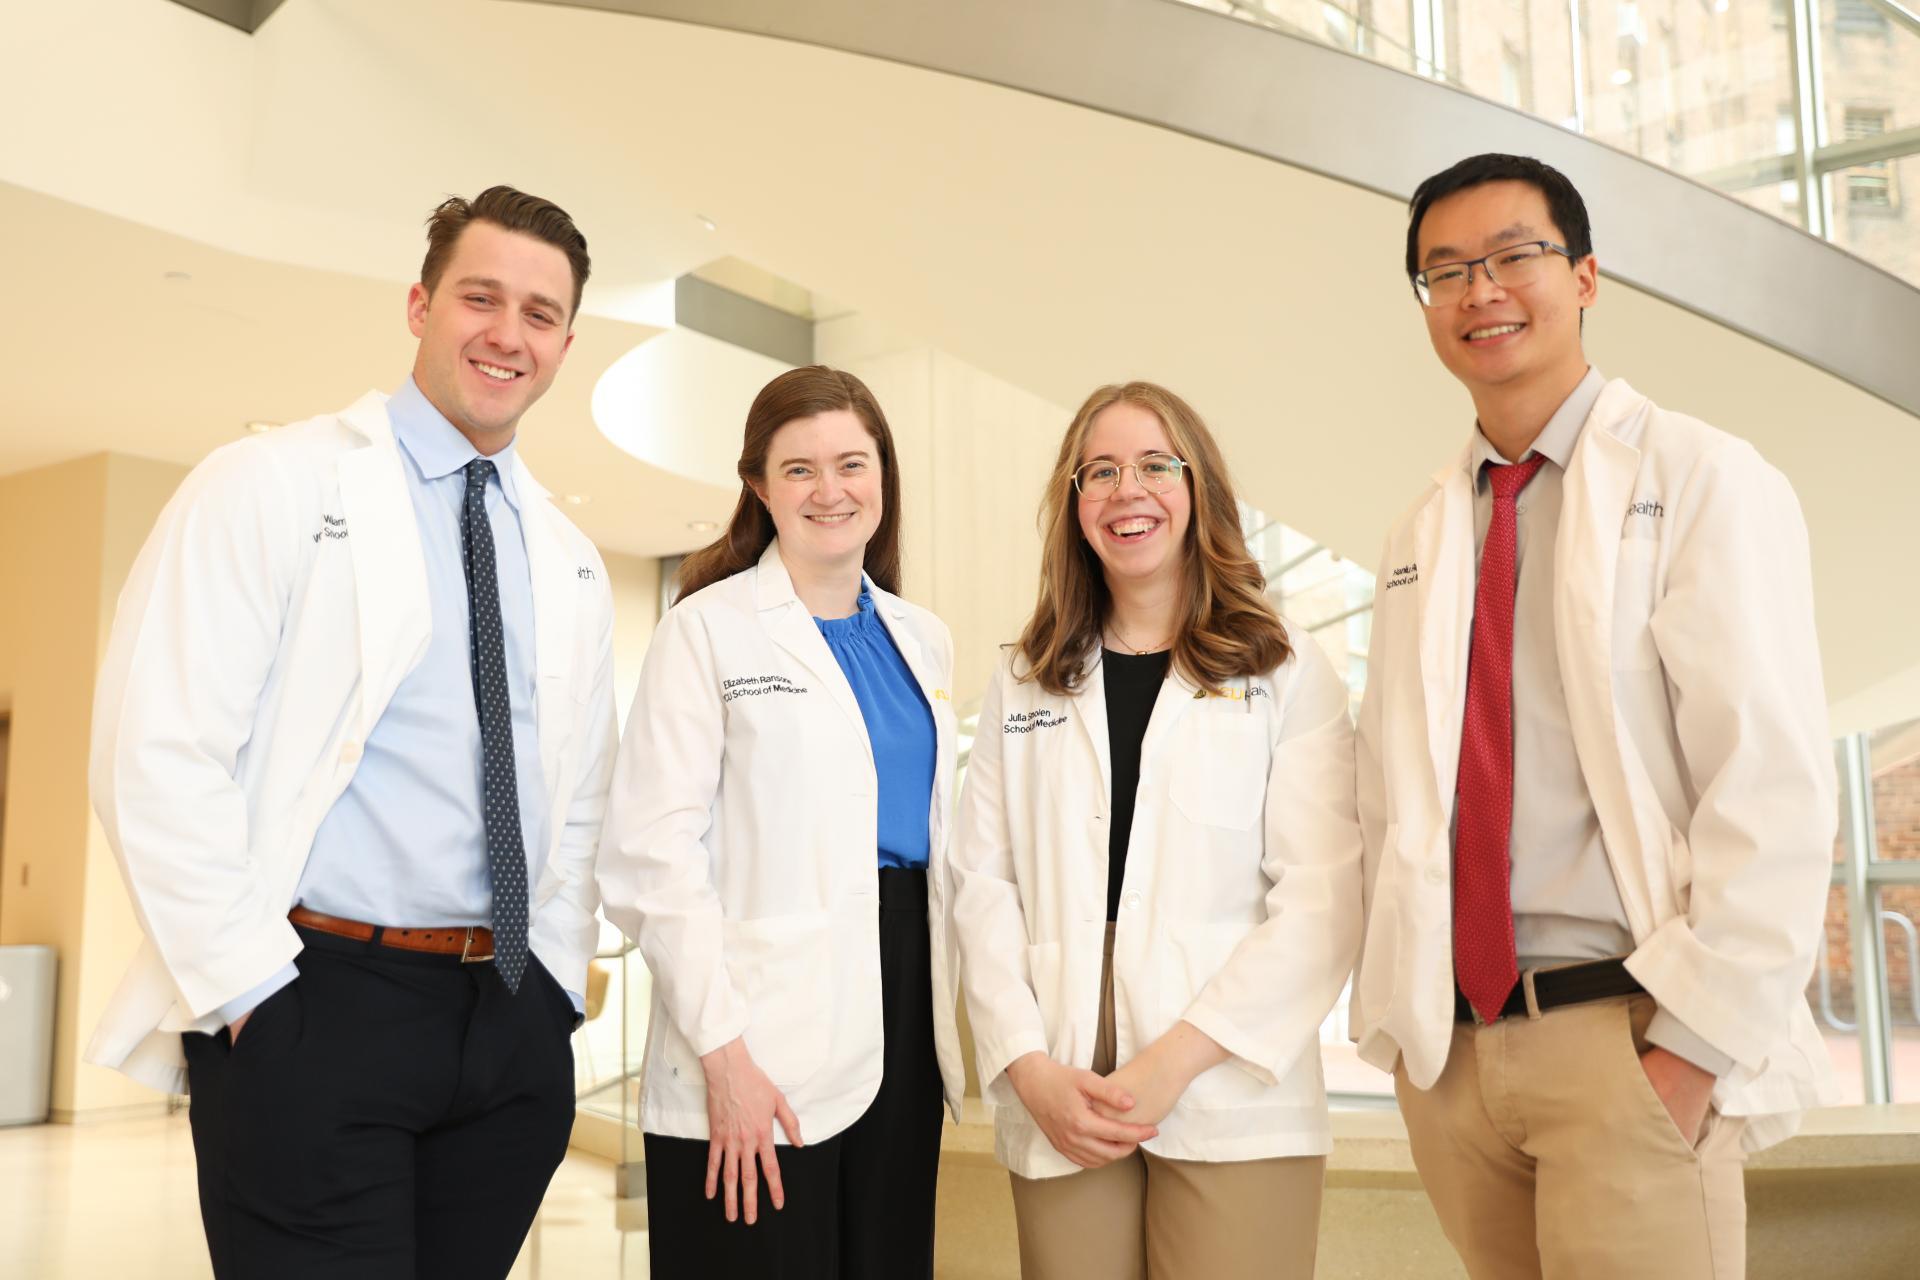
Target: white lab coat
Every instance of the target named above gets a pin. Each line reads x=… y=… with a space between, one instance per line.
x=277 y=604
x=741 y=852
x=1684 y=626
x=1240 y=909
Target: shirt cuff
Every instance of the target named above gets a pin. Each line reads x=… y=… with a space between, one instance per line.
x=1673 y=1035
x=234 y=1009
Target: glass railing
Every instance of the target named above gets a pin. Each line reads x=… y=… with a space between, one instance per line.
x=1808 y=110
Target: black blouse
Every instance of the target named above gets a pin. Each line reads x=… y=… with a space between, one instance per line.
x=1132 y=683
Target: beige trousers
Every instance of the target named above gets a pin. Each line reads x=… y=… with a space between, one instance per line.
x=1145 y=1218
x=1548 y=1156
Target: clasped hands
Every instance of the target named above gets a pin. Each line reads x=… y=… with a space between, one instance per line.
x=1092 y=1119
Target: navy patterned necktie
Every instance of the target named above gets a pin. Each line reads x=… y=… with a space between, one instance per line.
x=506 y=848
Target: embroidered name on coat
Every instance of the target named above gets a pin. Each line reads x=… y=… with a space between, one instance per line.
x=1028 y=721
x=754 y=686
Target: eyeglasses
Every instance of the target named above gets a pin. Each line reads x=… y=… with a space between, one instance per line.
x=1514 y=267
x=1099 y=480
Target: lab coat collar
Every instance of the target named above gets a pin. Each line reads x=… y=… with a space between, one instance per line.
x=790 y=623
x=436 y=445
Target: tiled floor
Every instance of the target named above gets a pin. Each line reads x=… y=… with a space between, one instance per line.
x=118 y=1200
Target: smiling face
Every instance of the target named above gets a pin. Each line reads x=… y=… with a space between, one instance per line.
x=823 y=487
x=493 y=332
x=1140 y=536
x=1494 y=338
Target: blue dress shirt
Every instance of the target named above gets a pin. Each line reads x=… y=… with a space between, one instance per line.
x=899 y=725
x=405 y=844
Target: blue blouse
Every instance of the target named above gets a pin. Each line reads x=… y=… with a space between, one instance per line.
x=899 y=724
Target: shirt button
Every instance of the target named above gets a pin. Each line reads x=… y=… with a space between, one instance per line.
x=350 y=753
x=1133 y=901
x=1436 y=875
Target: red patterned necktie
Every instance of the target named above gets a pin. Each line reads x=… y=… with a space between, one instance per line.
x=1483 y=957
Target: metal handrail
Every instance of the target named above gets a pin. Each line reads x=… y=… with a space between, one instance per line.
x=1824 y=974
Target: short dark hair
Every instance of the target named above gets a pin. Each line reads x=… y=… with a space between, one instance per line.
x=511 y=210
x=1568 y=210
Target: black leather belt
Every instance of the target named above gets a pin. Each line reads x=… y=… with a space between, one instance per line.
x=1552 y=988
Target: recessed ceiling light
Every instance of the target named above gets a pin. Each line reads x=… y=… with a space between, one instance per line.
x=261 y=427
x=1622 y=76
x=706 y=222
x=578 y=499
x=702 y=526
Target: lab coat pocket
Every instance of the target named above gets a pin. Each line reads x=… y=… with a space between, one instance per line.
x=1220 y=764
x=1194 y=953
x=783 y=965
x=1633 y=584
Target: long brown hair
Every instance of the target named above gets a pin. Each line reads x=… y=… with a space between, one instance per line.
x=1228 y=628
x=799 y=393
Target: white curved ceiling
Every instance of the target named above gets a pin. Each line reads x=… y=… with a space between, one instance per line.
x=1053 y=246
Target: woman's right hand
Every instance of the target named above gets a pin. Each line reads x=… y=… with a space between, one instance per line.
x=1060 y=1099
x=742 y=1105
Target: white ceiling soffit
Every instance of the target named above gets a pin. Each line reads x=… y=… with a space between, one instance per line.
x=1305 y=104
x=1053 y=246
x=125 y=339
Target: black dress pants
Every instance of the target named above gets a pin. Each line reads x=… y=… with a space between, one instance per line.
x=859 y=1204
x=386 y=1116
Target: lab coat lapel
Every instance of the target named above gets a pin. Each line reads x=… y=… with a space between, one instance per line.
x=1598 y=488
x=556 y=593
x=389 y=568
x=1089 y=707
x=1443 y=552
x=792 y=627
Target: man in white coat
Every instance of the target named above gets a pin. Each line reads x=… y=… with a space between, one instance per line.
x=352 y=747
x=1595 y=780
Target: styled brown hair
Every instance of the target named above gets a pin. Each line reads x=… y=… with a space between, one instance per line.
x=1228 y=628
x=799 y=393
x=510 y=210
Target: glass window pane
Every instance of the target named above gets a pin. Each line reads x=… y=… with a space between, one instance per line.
x=1895 y=763
x=1701 y=88
x=1900 y=955
x=1874 y=213
x=1870 y=68
x=1520 y=54
x=1830 y=990
x=1830 y=995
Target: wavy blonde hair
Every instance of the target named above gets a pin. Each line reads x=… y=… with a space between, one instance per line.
x=1228 y=628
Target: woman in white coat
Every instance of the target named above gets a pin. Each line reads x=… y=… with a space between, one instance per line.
x=1157 y=875
x=775 y=844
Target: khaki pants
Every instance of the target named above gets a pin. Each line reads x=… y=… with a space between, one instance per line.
x=1548 y=1155
x=1145 y=1218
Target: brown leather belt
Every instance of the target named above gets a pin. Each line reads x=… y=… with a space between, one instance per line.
x=472 y=943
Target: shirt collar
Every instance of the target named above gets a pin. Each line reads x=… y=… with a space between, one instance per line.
x=1557 y=439
x=436 y=445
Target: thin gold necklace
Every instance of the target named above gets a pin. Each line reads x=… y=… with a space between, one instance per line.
x=1128 y=644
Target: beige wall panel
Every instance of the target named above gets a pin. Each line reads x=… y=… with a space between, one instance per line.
x=636 y=609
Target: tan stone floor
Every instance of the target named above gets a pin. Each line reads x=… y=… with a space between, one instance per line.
x=118 y=1200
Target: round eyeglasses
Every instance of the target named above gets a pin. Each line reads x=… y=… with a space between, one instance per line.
x=1514 y=267
x=1099 y=480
